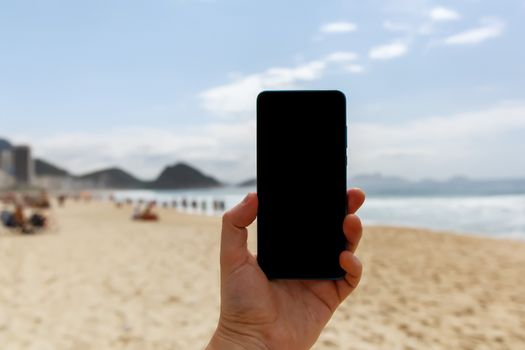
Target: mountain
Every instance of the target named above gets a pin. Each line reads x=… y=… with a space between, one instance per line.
x=173 y=177
x=248 y=183
x=392 y=185
x=182 y=175
x=44 y=168
x=4 y=144
x=380 y=184
x=112 y=178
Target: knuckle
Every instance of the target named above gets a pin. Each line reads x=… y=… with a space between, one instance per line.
x=226 y=218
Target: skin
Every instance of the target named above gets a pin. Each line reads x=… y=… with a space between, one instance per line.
x=257 y=313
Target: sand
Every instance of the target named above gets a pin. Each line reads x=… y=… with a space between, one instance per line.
x=101 y=281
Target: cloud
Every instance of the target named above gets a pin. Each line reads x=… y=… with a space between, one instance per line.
x=491 y=29
x=412 y=8
x=341 y=56
x=431 y=17
x=354 y=68
x=476 y=144
x=441 y=14
x=388 y=51
x=338 y=27
x=396 y=26
x=237 y=98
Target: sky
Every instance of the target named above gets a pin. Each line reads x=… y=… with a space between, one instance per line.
x=435 y=89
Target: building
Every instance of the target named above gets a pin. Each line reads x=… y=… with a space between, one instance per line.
x=6 y=161
x=6 y=180
x=57 y=183
x=23 y=165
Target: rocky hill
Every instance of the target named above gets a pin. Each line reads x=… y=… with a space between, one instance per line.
x=44 y=168
x=182 y=175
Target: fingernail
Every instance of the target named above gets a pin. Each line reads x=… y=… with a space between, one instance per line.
x=246 y=198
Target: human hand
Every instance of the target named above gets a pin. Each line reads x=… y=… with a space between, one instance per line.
x=257 y=313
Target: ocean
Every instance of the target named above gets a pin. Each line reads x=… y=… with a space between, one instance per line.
x=498 y=216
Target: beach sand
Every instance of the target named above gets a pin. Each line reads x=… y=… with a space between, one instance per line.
x=101 y=281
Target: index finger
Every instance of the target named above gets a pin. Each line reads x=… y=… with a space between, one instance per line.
x=355 y=198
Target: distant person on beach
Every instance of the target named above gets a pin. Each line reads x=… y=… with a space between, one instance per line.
x=20 y=220
x=43 y=201
x=257 y=313
x=19 y=215
x=38 y=220
x=6 y=217
x=61 y=200
x=137 y=211
x=17 y=219
x=147 y=214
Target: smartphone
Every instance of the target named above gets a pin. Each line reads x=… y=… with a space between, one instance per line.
x=301 y=183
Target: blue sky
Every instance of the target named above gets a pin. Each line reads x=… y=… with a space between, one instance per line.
x=434 y=88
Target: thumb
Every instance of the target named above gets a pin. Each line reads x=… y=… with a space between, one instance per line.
x=234 y=250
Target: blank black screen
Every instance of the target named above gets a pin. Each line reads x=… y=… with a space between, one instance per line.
x=301 y=183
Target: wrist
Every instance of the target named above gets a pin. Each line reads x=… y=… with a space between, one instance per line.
x=226 y=338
